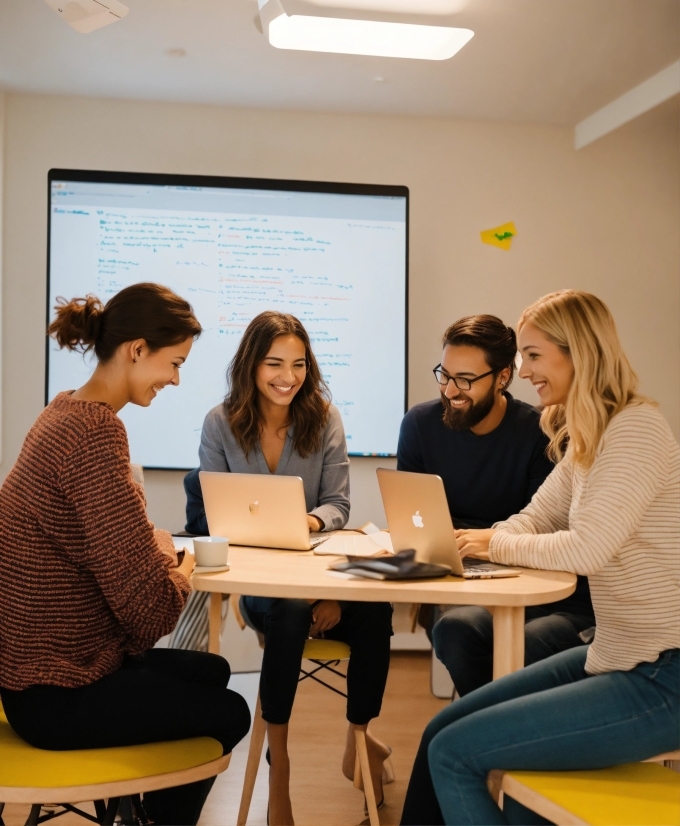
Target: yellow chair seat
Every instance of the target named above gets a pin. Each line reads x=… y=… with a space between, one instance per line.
x=326 y=650
x=23 y=766
x=636 y=794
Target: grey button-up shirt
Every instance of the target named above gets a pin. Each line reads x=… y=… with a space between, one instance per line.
x=325 y=474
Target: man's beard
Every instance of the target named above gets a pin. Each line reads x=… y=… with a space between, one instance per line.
x=470 y=416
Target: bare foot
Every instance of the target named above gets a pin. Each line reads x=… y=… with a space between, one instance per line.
x=378 y=753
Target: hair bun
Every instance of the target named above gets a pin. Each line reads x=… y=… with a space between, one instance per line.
x=78 y=322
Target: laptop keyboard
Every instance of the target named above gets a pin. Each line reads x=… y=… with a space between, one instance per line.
x=471 y=564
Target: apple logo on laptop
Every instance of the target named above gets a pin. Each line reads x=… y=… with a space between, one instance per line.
x=254 y=508
x=417 y=520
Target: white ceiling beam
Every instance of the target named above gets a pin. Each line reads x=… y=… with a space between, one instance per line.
x=632 y=104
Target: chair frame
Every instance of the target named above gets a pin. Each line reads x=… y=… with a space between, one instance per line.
x=362 y=769
x=500 y=782
x=321 y=664
x=69 y=795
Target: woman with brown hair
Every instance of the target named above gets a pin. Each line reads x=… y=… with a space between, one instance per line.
x=277 y=418
x=75 y=542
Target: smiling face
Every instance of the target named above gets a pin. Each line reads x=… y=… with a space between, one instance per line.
x=546 y=365
x=151 y=371
x=463 y=409
x=282 y=372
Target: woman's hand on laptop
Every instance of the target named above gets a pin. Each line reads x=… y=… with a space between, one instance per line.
x=325 y=615
x=474 y=542
x=314 y=523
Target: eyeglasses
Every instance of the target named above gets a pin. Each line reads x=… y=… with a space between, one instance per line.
x=461 y=383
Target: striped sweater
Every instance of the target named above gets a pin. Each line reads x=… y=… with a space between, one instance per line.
x=619 y=524
x=84 y=577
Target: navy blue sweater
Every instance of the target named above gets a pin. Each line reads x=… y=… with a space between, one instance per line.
x=487 y=478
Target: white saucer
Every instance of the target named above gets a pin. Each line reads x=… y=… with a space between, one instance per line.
x=210 y=569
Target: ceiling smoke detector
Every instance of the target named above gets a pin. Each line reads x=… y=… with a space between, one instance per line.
x=87 y=15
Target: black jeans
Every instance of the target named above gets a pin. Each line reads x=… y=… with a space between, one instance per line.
x=462 y=637
x=365 y=626
x=162 y=695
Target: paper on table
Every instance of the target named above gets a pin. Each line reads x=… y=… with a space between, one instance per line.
x=344 y=544
x=369 y=528
x=383 y=539
x=182 y=542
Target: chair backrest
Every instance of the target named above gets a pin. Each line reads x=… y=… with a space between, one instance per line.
x=137 y=473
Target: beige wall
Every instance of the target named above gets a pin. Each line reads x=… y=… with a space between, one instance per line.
x=604 y=219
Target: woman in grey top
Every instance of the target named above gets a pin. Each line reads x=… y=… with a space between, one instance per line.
x=277 y=418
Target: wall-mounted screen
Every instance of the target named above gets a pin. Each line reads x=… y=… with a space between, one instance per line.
x=334 y=255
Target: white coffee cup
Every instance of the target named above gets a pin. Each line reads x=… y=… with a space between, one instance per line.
x=211 y=551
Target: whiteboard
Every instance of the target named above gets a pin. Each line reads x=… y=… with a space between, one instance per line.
x=334 y=255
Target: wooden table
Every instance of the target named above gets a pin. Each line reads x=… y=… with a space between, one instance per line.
x=264 y=572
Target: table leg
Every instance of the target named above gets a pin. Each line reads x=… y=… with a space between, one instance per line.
x=508 y=639
x=214 y=623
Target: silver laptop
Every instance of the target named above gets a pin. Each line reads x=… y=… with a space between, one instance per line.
x=418 y=517
x=259 y=510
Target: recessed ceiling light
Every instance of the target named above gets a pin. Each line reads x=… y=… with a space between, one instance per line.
x=399 y=6
x=364 y=37
x=87 y=15
x=177 y=52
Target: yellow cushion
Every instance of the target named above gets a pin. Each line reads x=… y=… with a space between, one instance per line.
x=637 y=794
x=23 y=766
x=326 y=650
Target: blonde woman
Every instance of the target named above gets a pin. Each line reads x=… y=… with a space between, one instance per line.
x=610 y=510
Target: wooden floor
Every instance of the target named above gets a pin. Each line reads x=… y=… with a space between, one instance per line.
x=320 y=792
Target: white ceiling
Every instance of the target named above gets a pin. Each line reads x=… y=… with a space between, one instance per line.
x=546 y=61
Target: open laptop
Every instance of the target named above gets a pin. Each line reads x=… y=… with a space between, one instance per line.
x=418 y=517
x=259 y=510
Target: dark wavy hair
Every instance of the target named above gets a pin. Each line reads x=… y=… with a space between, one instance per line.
x=489 y=334
x=309 y=407
x=149 y=311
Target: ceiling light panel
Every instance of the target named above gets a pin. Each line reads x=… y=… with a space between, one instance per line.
x=442 y=7
x=360 y=37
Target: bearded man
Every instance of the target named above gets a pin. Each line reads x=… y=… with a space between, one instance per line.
x=491 y=454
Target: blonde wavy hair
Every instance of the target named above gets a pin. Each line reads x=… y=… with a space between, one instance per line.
x=582 y=326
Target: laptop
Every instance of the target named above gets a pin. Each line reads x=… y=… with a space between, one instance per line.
x=418 y=517
x=258 y=510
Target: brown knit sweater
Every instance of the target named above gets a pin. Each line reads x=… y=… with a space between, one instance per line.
x=84 y=577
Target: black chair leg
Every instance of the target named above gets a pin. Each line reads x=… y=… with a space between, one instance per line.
x=111 y=811
x=100 y=810
x=125 y=812
x=139 y=812
x=34 y=815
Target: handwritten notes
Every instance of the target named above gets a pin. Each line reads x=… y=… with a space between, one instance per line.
x=343 y=278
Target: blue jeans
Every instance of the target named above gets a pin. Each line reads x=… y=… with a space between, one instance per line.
x=550 y=715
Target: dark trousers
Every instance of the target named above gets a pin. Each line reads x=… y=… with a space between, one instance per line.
x=161 y=695
x=365 y=626
x=462 y=636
